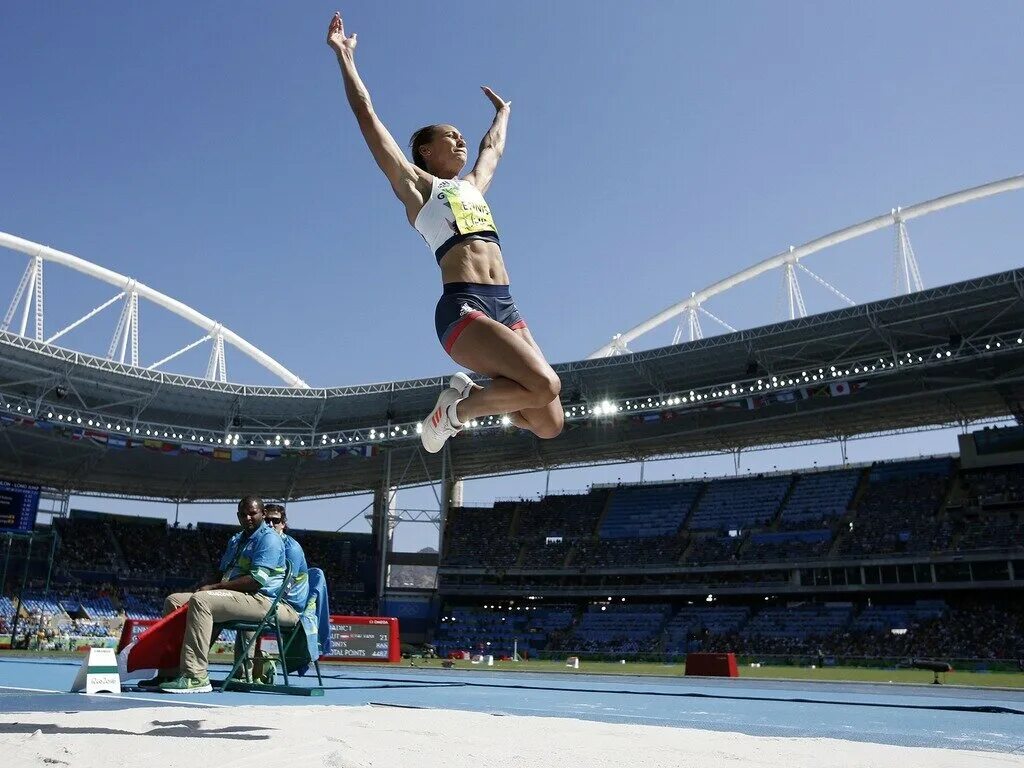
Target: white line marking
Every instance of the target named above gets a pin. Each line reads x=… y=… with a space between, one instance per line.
x=36 y=690
x=164 y=700
x=131 y=697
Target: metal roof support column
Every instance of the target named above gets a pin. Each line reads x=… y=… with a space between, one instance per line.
x=122 y=330
x=908 y=276
x=28 y=298
x=451 y=496
x=21 y=589
x=39 y=298
x=383 y=502
x=49 y=560
x=736 y=460
x=696 y=332
x=27 y=275
x=843 y=439
x=677 y=335
x=134 y=319
x=796 y=299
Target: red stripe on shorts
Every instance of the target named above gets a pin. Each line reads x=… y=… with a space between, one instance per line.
x=456 y=330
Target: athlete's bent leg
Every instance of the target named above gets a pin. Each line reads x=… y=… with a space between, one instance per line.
x=546 y=422
x=522 y=380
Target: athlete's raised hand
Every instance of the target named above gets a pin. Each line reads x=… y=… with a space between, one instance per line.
x=496 y=100
x=336 y=37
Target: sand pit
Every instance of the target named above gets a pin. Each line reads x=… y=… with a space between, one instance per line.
x=381 y=737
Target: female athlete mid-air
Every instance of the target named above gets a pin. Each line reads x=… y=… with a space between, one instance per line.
x=476 y=319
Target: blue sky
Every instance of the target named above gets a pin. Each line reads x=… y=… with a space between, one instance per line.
x=208 y=151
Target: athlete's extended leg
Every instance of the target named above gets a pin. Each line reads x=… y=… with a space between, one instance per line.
x=522 y=380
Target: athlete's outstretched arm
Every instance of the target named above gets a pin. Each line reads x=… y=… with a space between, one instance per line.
x=389 y=156
x=492 y=144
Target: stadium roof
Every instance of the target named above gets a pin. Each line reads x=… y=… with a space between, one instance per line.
x=949 y=355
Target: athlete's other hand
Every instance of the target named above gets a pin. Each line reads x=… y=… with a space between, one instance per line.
x=336 y=37
x=496 y=100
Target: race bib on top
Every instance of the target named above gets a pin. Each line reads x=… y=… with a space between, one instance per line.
x=469 y=208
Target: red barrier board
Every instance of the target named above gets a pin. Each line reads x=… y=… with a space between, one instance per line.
x=364 y=638
x=132 y=629
x=157 y=644
x=712 y=664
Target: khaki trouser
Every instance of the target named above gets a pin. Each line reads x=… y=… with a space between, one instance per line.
x=207 y=610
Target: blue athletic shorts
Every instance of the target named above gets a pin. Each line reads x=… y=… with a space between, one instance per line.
x=462 y=303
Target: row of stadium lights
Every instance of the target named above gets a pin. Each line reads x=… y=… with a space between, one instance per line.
x=604 y=408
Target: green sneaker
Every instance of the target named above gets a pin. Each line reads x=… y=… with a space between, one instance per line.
x=186 y=684
x=154 y=682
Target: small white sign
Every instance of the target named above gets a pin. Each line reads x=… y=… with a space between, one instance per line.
x=98 y=673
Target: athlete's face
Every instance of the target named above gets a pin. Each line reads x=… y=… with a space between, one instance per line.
x=446 y=151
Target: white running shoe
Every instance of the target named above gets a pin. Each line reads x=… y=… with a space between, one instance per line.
x=462 y=384
x=437 y=427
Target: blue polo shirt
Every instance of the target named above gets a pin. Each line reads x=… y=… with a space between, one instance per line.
x=298 y=593
x=260 y=555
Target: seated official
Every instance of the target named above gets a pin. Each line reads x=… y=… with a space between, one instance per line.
x=252 y=574
x=297 y=594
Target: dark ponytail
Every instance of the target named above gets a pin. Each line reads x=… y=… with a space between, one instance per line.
x=423 y=136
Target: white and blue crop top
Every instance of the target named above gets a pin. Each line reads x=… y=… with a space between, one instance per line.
x=455 y=212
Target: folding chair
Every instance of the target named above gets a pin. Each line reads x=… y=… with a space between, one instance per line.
x=257 y=629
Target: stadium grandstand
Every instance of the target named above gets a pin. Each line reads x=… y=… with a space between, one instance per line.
x=890 y=560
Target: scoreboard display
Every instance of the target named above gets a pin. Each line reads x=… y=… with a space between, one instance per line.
x=364 y=638
x=18 y=507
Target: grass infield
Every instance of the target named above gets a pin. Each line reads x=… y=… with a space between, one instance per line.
x=831 y=674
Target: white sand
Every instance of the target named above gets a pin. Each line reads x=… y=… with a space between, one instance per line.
x=377 y=737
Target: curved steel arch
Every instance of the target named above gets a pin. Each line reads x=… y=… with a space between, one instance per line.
x=794 y=254
x=215 y=331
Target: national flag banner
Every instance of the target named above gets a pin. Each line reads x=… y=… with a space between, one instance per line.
x=788 y=396
x=96 y=437
x=153 y=445
x=839 y=388
x=117 y=442
x=222 y=454
x=77 y=433
x=239 y=454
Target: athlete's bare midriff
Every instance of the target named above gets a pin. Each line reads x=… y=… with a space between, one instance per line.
x=474 y=261
x=471 y=261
